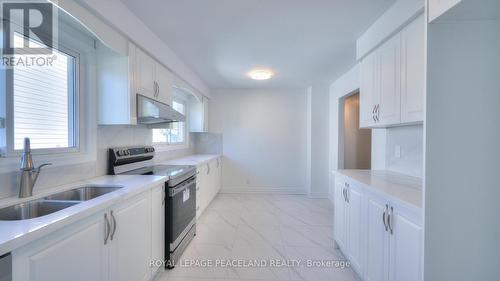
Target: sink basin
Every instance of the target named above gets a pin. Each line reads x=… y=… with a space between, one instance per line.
x=33 y=209
x=83 y=193
x=54 y=202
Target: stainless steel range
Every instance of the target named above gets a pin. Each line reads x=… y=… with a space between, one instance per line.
x=180 y=189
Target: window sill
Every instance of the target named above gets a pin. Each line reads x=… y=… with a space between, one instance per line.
x=11 y=163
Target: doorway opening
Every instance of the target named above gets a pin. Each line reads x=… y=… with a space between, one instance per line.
x=356 y=143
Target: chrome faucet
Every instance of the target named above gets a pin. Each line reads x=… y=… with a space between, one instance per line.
x=29 y=174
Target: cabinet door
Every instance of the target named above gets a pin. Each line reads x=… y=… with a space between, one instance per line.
x=205 y=114
x=157 y=225
x=413 y=71
x=204 y=185
x=355 y=227
x=130 y=248
x=406 y=246
x=219 y=174
x=376 y=241
x=164 y=78
x=145 y=67
x=340 y=214
x=389 y=110
x=74 y=253
x=368 y=93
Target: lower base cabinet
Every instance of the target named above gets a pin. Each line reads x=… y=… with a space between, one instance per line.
x=115 y=244
x=130 y=240
x=382 y=239
x=76 y=253
x=208 y=184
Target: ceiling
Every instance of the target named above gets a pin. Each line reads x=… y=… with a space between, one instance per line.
x=303 y=41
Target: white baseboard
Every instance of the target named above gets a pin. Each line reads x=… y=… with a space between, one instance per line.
x=263 y=190
x=318 y=195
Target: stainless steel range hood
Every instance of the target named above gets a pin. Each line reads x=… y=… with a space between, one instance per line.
x=155 y=114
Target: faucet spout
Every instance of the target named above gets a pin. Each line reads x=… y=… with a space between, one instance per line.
x=29 y=174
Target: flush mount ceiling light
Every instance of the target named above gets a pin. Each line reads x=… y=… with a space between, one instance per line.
x=261 y=74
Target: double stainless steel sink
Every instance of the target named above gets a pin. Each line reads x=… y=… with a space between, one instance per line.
x=53 y=203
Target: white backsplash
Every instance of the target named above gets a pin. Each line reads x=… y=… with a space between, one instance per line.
x=410 y=139
x=107 y=136
x=207 y=143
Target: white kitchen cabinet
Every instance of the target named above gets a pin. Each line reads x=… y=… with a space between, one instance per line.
x=153 y=80
x=114 y=244
x=75 y=253
x=368 y=91
x=130 y=246
x=413 y=71
x=198 y=114
x=349 y=221
x=388 y=109
x=116 y=86
x=157 y=226
x=355 y=242
x=392 y=85
x=438 y=7
x=164 y=80
x=406 y=254
x=376 y=240
x=145 y=73
x=120 y=78
x=381 y=238
x=340 y=229
x=208 y=184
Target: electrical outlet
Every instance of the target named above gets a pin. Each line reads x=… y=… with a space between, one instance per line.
x=397 y=151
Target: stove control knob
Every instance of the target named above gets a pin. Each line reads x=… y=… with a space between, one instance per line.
x=127 y=152
x=119 y=153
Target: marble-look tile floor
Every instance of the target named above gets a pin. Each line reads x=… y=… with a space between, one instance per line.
x=246 y=228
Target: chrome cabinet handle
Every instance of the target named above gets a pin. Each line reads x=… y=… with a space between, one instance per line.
x=218 y=164
x=384 y=217
x=208 y=168
x=107 y=229
x=114 y=225
x=389 y=220
x=347 y=194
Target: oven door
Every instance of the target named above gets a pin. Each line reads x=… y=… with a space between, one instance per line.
x=182 y=211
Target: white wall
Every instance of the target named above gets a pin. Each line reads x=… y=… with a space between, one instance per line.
x=346 y=84
x=264 y=135
x=319 y=125
x=462 y=155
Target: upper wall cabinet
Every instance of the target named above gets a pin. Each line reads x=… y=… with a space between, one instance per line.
x=413 y=71
x=393 y=80
x=198 y=115
x=438 y=7
x=152 y=79
x=121 y=77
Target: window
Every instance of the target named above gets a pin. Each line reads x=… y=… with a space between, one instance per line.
x=175 y=134
x=44 y=102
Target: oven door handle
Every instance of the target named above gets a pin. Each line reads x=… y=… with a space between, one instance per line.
x=174 y=191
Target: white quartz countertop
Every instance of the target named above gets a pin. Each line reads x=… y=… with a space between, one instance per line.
x=192 y=160
x=14 y=234
x=405 y=189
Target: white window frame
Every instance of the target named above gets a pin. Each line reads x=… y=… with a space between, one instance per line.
x=9 y=97
x=167 y=146
x=86 y=112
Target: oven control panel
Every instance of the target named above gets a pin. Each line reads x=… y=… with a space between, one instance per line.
x=125 y=155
